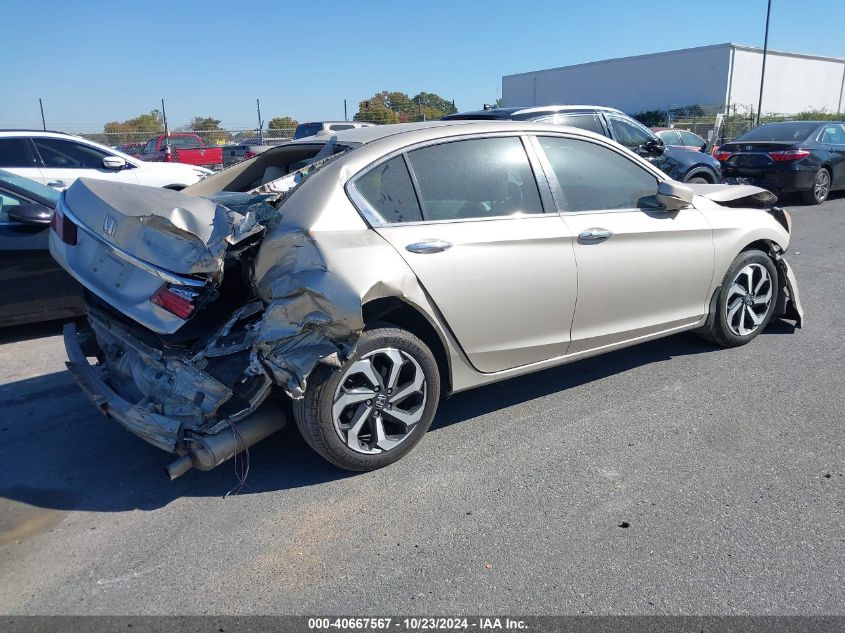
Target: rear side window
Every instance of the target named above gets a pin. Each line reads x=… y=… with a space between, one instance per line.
x=477 y=178
x=595 y=178
x=61 y=153
x=14 y=153
x=307 y=129
x=389 y=191
x=833 y=134
x=589 y=122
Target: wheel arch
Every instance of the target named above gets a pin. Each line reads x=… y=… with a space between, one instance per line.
x=400 y=313
x=701 y=170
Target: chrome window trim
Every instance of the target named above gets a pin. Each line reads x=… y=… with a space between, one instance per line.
x=159 y=272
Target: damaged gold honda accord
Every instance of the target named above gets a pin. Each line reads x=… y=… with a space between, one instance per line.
x=369 y=274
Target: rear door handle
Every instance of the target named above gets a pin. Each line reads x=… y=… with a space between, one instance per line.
x=426 y=247
x=57 y=183
x=594 y=235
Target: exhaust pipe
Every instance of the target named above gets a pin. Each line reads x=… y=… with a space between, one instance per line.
x=209 y=451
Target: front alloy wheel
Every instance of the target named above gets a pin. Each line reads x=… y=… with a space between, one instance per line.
x=749 y=298
x=374 y=408
x=746 y=300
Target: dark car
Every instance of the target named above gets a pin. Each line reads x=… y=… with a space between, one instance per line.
x=793 y=156
x=33 y=287
x=680 y=164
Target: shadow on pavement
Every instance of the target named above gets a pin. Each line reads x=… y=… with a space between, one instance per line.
x=59 y=453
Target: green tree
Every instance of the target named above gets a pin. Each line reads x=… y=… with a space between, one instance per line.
x=398 y=107
x=282 y=123
x=204 y=124
x=151 y=123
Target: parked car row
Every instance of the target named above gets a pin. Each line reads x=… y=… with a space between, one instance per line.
x=679 y=163
x=57 y=160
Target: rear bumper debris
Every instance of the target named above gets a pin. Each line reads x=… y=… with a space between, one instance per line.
x=203 y=443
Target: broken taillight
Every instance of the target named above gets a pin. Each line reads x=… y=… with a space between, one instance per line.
x=63 y=226
x=789 y=154
x=178 y=300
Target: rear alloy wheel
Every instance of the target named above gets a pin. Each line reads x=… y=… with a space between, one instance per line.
x=820 y=189
x=376 y=407
x=746 y=300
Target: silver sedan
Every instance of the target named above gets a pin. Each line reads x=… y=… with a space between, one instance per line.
x=367 y=275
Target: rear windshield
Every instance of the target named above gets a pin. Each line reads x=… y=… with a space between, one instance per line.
x=779 y=132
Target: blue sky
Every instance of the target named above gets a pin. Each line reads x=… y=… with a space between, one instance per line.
x=94 y=61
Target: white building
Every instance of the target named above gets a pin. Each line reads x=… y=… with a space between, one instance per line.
x=718 y=75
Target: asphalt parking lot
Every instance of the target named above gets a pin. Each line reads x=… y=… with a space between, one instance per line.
x=726 y=466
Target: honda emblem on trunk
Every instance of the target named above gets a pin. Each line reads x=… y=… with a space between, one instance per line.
x=109 y=226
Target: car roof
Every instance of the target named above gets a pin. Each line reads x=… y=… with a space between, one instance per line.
x=802 y=121
x=521 y=111
x=361 y=135
x=26 y=132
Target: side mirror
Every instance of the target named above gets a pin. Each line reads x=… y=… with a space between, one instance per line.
x=654 y=146
x=31 y=213
x=114 y=162
x=674 y=195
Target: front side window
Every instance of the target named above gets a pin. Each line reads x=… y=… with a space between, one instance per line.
x=13 y=153
x=388 y=189
x=670 y=137
x=628 y=133
x=595 y=178
x=478 y=178
x=61 y=153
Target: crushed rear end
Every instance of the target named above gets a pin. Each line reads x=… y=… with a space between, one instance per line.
x=179 y=347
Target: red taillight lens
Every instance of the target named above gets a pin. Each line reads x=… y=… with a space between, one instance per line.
x=789 y=154
x=177 y=300
x=64 y=228
x=249 y=154
x=722 y=155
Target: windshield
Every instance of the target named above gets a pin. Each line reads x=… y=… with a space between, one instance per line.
x=26 y=185
x=779 y=132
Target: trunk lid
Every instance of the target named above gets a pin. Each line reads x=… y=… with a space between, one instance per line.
x=134 y=240
x=753 y=154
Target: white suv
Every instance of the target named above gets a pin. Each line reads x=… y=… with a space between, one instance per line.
x=56 y=159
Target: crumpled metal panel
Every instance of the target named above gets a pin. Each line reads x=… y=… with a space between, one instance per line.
x=734 y=195
x=172 y=387
x=312 y=315
x=175 y=231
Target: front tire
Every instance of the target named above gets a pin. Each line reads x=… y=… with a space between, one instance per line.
x=821 y=188
x=376 y=407
x=746 y=300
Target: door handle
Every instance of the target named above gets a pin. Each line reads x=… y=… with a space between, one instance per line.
x=57 y=183
x=594 y=235
x=426 y=247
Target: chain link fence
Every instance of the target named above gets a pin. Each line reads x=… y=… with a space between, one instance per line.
x=139 y=143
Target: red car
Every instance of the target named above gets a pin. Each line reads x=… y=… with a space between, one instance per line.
x=680 y=138
x=182 y=147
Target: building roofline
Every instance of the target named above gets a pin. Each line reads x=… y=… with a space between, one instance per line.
x=726 y=45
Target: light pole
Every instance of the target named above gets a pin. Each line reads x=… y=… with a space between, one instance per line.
x=763 y=71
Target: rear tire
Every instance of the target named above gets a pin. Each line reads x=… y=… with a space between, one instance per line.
x=746 y=300
x=376 y=407
x=821 y=188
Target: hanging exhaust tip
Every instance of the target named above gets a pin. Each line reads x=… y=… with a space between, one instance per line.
x=179 y=467
x=209 y=451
